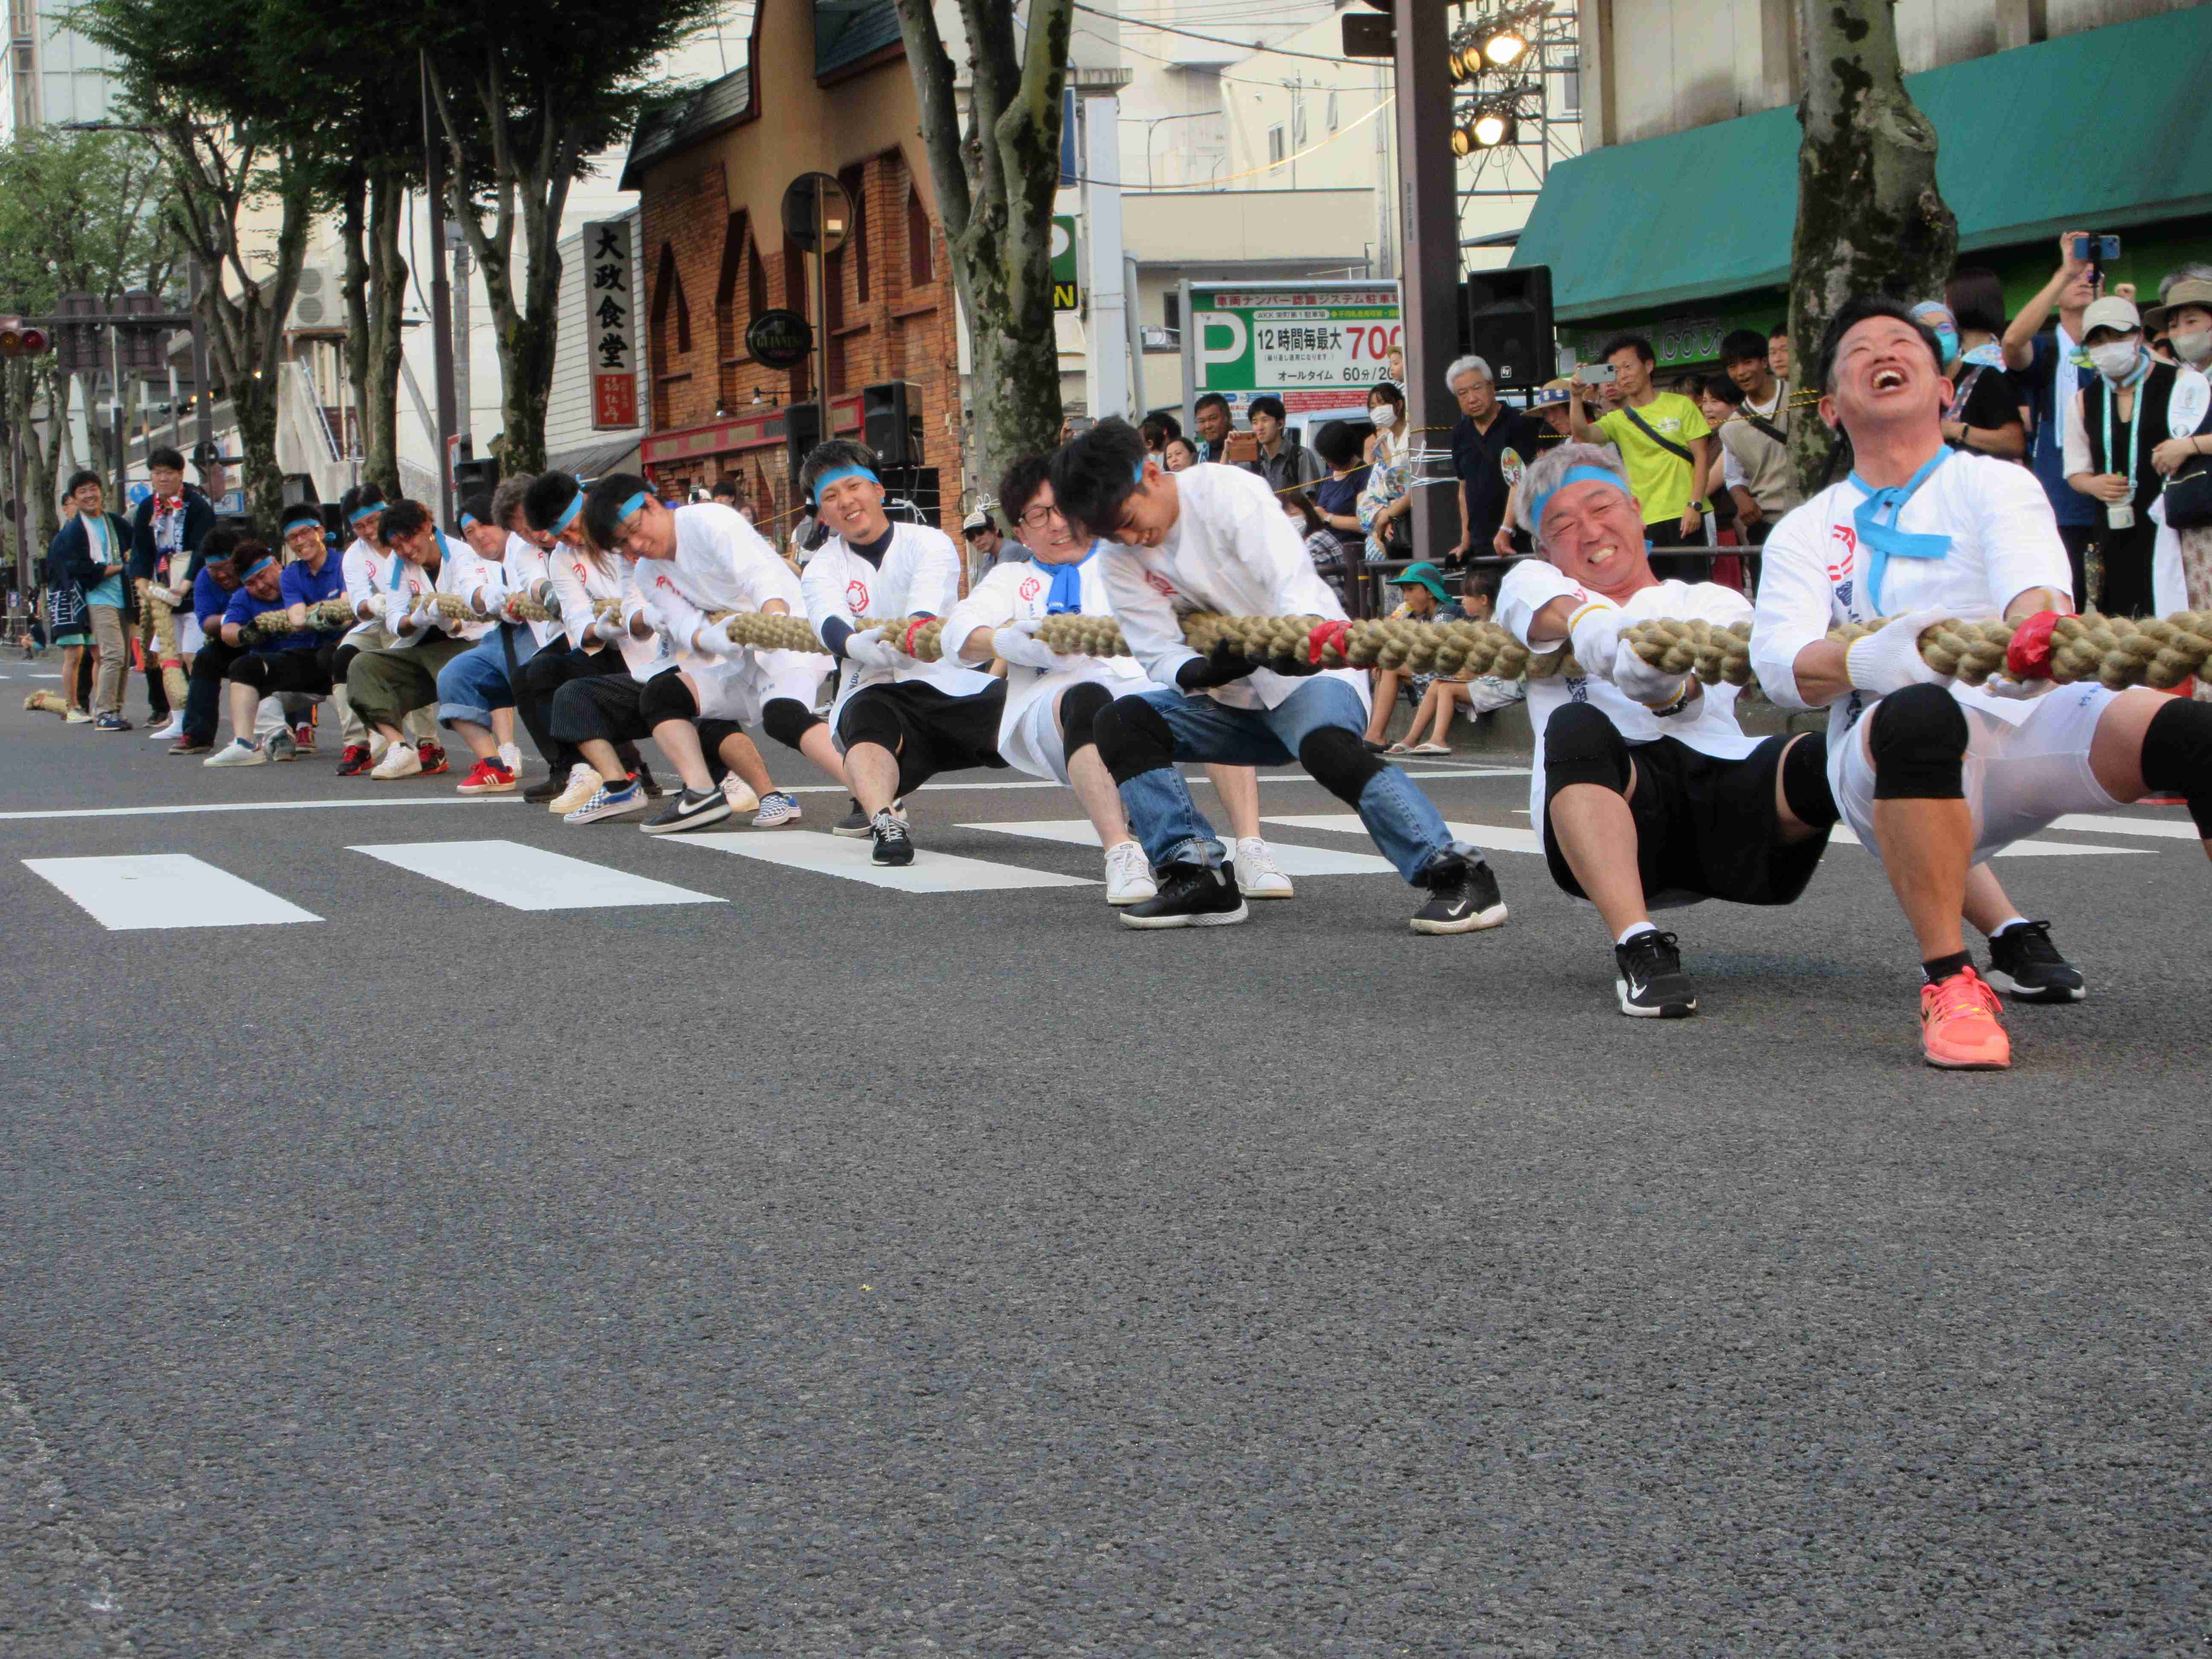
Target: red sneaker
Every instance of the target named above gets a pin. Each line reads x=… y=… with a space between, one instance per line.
x=355 y=760
x=304 y=735
x=489 y=778
x=1959 y=1027
x=433 y=758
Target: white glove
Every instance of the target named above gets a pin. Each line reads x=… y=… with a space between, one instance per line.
x=715 y=641
x=376 y=605
x=1595 y=635
x=1889 y=660
x=609 y=628
x=1017 y=643
x=1655 y=687
x=2003 y=685
x=867 y=648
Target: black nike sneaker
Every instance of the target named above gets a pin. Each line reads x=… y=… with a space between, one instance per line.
x=686 y=810
x=1464 y=896
x=1190 y=896
x=2026 y=967
x=1652 y=985
x=894 y=845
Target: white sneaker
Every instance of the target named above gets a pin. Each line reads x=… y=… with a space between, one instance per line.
x=583 y=784
x=377 y=742
x=170 y=730
x=1257 y=877
x=776 y=810
x=238 y=753
x=76 y=717
x=283 y=746
x=400 y=760
x=1129 y=874
x=510 y=757
x=739 y=793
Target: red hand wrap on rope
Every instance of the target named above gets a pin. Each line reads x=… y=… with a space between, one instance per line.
x=1324 y=635
x=906 y=640
x=2028 y=656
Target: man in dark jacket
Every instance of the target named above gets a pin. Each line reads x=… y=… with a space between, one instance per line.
x=165 y=533
x=93 y=551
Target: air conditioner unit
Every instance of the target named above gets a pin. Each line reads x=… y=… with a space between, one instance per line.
x=1155 y=338
x=317 y=303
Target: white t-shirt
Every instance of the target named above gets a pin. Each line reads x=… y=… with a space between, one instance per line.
x=525 y=568
x=1708 y=725
x=2004 y=541
x=462 y=574
x=578 y=578
x=1016 y=590
x=369 y=570
x=1231 y=550
x=720 y=563
x=920 y=576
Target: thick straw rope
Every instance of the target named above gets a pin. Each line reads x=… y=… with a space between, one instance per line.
x=157 y=605
x=45 y=702
x=2111 y=650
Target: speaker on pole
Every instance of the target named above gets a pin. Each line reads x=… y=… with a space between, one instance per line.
x=891 y=421
x=1509 y=323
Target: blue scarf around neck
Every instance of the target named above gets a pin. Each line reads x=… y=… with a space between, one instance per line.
x=1885 y=542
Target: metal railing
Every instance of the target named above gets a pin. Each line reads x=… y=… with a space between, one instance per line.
x=1373 y=576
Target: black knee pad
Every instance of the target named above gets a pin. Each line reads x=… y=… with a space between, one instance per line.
x=870 y=719
x=2177 y=756
x=1339 y=763
x=342 y=660
x=711 y=735
x=1918 y=742
x=665 y=697
x=1132 y=738
x=787 y=719
x=251 y=670
x=1583 y=746
x=1079 y=708
x=1805 y=782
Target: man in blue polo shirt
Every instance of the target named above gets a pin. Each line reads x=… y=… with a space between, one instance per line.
x=297 y=659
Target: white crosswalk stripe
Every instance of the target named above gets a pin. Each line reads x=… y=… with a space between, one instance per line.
x=2099 y=823
x=1510 y=838
x=831 y=855
x=529 y=877
x=1292 y=860
x=146 y=890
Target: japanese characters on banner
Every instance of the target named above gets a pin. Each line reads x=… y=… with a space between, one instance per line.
x=1318 y=346
x=610 y=322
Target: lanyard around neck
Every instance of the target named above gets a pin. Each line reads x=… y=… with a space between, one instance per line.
x=2135 y=382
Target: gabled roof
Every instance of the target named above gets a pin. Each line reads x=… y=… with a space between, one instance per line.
x=677 y=126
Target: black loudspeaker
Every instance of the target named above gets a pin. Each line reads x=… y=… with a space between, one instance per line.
x=469 y=475
x=1507 y=324
x=910 y=493
x=299 y=486
x=802 y=426
x=890 y=422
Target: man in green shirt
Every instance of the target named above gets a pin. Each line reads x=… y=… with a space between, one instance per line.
x=1663 y=441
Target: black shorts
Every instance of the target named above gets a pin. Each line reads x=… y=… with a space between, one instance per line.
x=936 y=732
x=1705 y=828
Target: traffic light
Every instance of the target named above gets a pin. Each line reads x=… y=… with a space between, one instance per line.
x=20 y=339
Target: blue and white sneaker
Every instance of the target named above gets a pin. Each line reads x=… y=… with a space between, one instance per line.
x=776 y=810
x=608 y=802
x=111 y=723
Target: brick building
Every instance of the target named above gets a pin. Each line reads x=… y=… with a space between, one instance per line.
x=825 y=88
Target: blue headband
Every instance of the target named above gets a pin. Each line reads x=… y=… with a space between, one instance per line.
x=1572 y=475
x=630 y=506
x=361 y=512
x=468 y=518
x=840 y=475
x=258 y=566
x=569 y=513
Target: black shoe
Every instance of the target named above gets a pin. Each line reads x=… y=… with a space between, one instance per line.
x=856 y=824
x=1190 y=896
x=893 y=844
x=2026 y=967
x=1652 y=985
x=1464 y=896
x=686 y=810
x=548 y=789
x=653 y=791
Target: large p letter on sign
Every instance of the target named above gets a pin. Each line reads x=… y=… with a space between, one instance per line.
x=1212 y=324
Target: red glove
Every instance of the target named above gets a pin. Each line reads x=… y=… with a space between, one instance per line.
x=2028 y=656
x=1326 y=634
x=906 y=640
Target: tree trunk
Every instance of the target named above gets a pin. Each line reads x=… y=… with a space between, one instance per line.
x=383 y=343
x=1869 y=217
x=994 y=191
x=353 y=232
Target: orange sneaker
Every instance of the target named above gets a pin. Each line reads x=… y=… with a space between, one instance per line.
x=1960 y=1030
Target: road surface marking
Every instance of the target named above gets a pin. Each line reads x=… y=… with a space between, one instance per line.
x=1493 y=837
x=143 y=891
x=529 y=877
x=1291 y=860
x=832 y=855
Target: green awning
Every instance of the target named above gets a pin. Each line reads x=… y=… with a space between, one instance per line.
x=2103 y=130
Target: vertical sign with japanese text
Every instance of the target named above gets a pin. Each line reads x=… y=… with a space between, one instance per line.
x=610 y=322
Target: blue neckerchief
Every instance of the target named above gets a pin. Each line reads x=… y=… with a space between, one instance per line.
x=1988 y=355
x=1065 y=599
x=1885 y=542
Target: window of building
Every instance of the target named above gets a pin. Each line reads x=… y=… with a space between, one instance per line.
x=672 y=313
x=1275 y=144
x=921 y=263
x=1571 y=85
x=855 y=180
x=1171 y=310
x=1332 y=110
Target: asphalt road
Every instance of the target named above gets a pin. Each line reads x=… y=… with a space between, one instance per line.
x=837 y=1270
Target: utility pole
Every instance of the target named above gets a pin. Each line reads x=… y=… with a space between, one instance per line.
x=441 y=299
x=463 y=406
x=1429 y=284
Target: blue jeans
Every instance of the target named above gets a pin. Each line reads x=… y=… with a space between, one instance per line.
x=474 y=683
x=1406 y=827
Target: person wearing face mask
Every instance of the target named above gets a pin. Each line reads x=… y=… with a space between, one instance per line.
x=1386 y=496
x=1981 y=413
x=1386 y=413
x=2046 y=370
x=2181 y=566
x=2132 y=404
